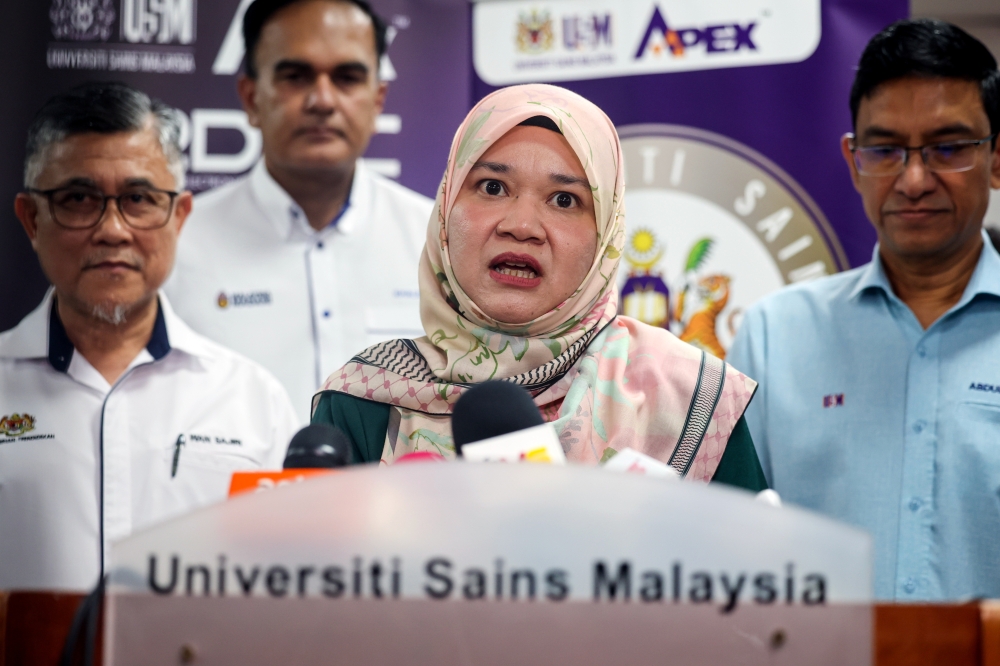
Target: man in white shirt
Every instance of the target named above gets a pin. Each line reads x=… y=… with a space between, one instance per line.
x=311 y=257
x=113 y=413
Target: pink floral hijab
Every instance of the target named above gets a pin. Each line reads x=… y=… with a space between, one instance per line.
x=606 y=382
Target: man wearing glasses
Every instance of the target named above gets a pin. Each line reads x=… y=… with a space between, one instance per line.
x=113 y=413
x=879 y=400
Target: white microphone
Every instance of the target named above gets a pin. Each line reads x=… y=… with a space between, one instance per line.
x=538 y=444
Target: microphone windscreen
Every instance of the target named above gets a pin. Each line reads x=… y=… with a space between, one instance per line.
x=318 y=446
x=492 y=409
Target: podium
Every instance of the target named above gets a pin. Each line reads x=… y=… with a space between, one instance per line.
x=493 y=564
x=465 y=563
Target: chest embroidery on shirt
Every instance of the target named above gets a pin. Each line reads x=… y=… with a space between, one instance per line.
x=833 y=400
x=208 y=439
x=16 y=426
x=988 y=388
x=236 y=300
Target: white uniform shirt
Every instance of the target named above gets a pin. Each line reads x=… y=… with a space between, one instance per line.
x=83 y=463
x=252 y=275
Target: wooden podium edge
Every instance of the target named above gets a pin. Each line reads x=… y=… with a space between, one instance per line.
x=3 y=627
x=989 y=615
x=34 y=626
x=904 y=634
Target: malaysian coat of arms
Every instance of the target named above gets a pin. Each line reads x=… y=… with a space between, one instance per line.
x=82 y=20
x=16 y=424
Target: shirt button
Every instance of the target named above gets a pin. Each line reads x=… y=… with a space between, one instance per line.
x=918 y=427
x=914 y=504
x=319 y=245
x=326 y=314
x=909 y=586
x=921 y=352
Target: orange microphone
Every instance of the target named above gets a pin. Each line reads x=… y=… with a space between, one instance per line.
x=315 y=449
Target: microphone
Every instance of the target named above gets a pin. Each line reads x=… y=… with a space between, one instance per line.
x=318 y=446
x=420 y=456
x=491 y=409
x=497 y=421
x=636 y=462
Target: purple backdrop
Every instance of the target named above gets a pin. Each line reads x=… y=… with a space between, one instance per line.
x=46 y=53
x=792 y=113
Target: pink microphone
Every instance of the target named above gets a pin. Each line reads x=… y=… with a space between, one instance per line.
x=421 y=456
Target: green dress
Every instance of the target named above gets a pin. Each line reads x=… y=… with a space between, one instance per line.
x=365 y=423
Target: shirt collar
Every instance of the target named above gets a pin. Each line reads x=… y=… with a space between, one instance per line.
x=287 y=216
x=985 y=278
x=873 y=277
x=182 y=338
x=41 y=335
x=60 y=348
x=30 y=338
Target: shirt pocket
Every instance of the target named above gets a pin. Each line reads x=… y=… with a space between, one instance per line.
x=190 y=477
x=215 y=458
x=978 y=440
x=981 y=412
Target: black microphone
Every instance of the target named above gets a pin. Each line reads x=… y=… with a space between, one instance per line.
x=318 y=446
x=492 y=409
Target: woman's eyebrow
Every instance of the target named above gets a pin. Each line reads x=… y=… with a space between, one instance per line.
x=563 y=179
x=495 y=167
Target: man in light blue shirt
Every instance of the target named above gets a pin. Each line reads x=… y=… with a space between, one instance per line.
x=879 y=399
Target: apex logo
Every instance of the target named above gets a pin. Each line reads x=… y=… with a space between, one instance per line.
x=719 y=38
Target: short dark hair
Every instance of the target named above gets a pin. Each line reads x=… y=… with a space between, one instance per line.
x=105 y=108
x=928 y=48
x=261 y=11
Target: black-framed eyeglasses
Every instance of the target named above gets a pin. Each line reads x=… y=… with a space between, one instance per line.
x=942 y=157
x=79 y=207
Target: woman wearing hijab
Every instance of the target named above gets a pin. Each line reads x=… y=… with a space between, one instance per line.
x=517 y=282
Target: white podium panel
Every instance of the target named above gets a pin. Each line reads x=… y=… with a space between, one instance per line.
x=478 y=563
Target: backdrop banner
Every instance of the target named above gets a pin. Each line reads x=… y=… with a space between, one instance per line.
x=188 y=53
x=730 y=113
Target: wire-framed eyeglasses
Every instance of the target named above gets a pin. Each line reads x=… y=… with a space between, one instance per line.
x=891 y=160
x=79 y=207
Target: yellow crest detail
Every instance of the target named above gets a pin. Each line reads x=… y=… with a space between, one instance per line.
x=643 y=250
x=17 y=424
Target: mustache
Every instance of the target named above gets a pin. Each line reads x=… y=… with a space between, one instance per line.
x=898 y=204
x=130 y=258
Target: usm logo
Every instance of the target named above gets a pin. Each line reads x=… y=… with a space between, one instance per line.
x=159 y=21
